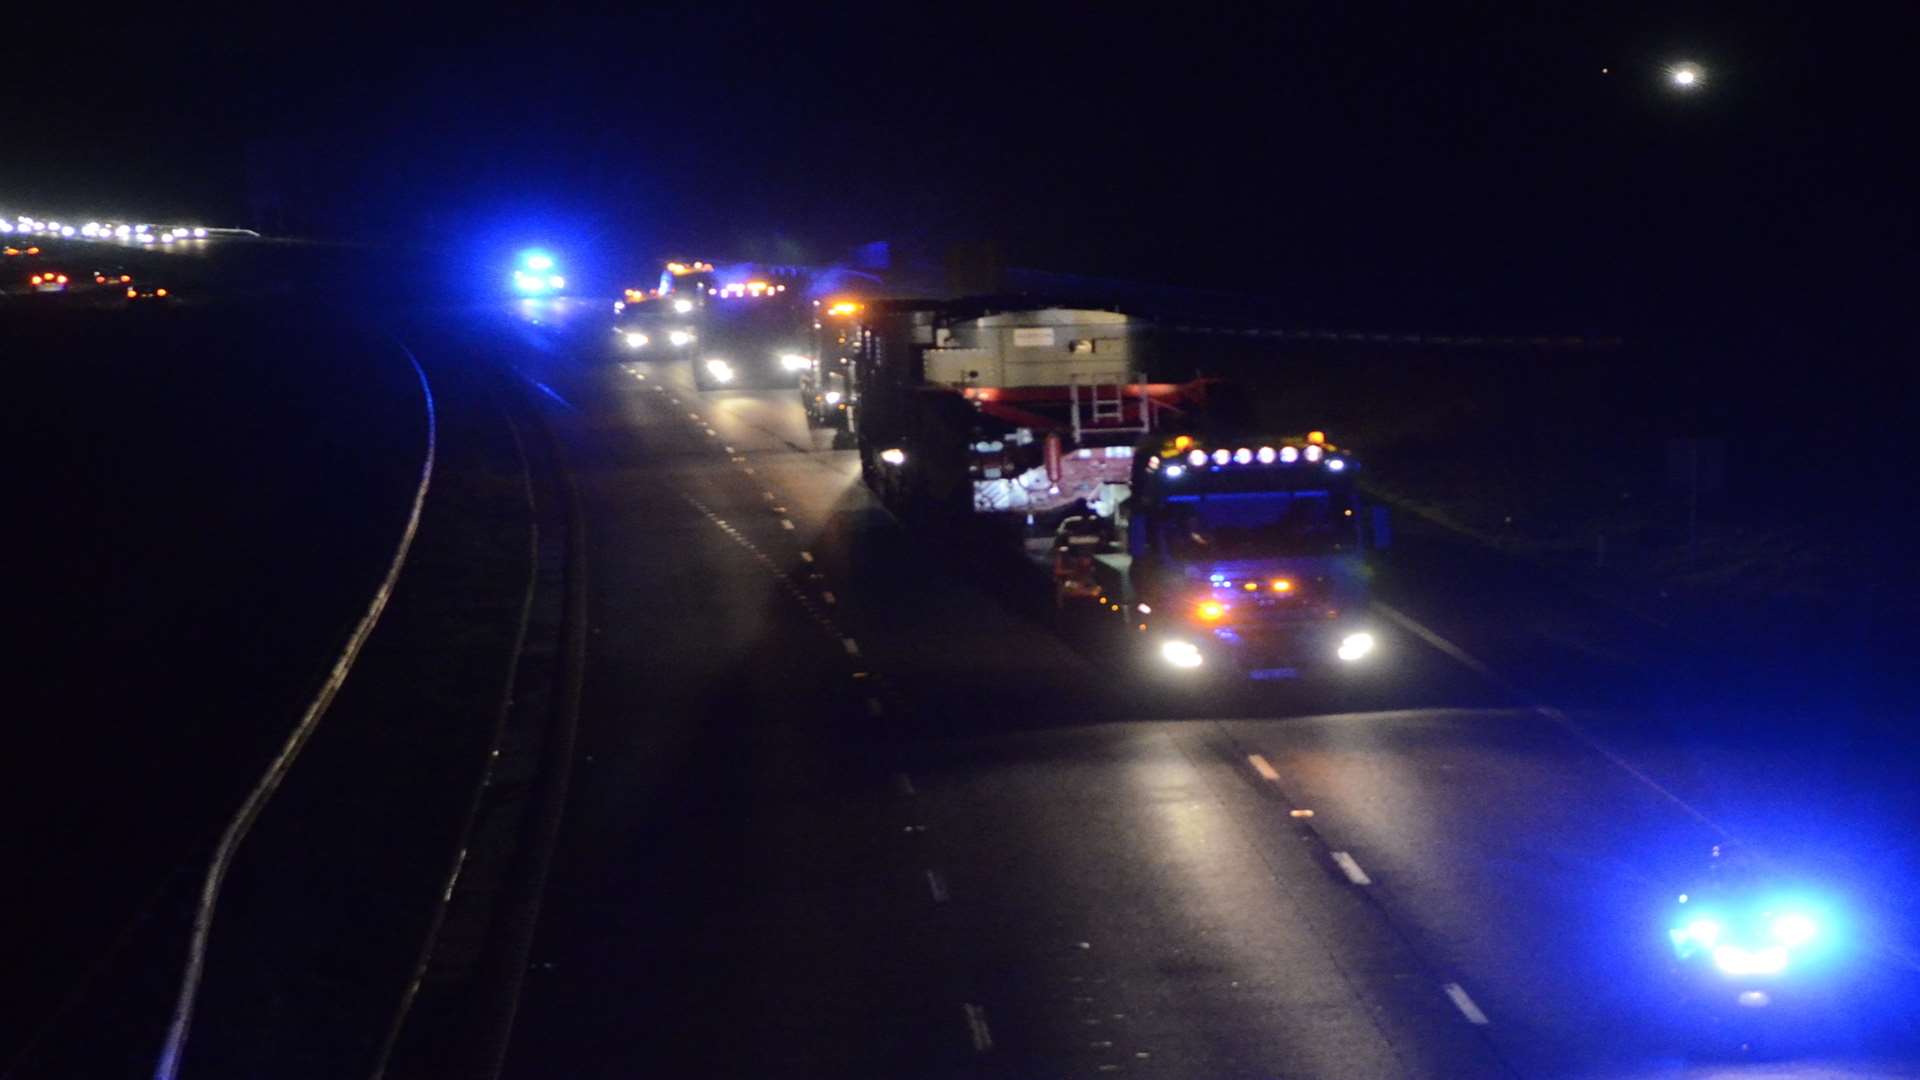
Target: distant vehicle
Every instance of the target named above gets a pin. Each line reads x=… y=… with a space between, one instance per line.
x=11 y=250
x=752 y=335
x=1184 y=548
x=148 y=294
x=686 y=284
x=535 y=273
x=112 y=275
x=49 y=281
x=826 y=383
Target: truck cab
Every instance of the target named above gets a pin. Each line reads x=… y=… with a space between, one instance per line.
x=1245 y=557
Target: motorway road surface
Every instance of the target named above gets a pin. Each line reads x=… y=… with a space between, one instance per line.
x=887 y=823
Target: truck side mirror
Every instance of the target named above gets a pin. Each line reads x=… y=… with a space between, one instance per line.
x=1382 y=528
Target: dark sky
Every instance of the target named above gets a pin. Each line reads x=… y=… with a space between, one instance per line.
x=1407 y=153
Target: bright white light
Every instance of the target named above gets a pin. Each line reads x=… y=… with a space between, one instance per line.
x=5 y=228
x=1312 y=453
x=682 y=306
x=166 y=238
x=1335 y=464
x=1243 y=456
x=1734 y=960
x=794 y=362
x=679 y=338
x=1266 y=455
x=66 y=230
x=141 y=228
x=1175 y=472
x=1355 y=646
x=832 y=396
x=1197 y=458
x=199 y=233
x=720 y=369
x=123 y=231
x=1704 y=931
x=558 y=282
x=145 y=238
x=539 y=262
x=1222 y=456
x=636 y=340
x=1685 y=76
x=1289 y=455
x=1181 y=654
x=1754 y=999
x=894 y=456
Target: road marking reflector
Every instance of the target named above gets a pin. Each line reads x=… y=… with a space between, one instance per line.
x=787 y=524
x=1458 y=995
x=937 y=885
x=874 y=708
x=852 y=646
x=1303 y=813
x=828 y=597
x=1351 y=868
x=1264 y=768
x=806 y=556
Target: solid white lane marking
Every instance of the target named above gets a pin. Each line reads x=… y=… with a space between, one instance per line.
x=728 y=449
x=787 y=524
x=806 y=556
x=1263 y=767
x=1351 y=868
x=977 y=1027
x=1474 y=664
x=175 y=1043
x=712 y=433
x=852 y=646
x=903 y=783
x=1458 y=995
x=937 y=885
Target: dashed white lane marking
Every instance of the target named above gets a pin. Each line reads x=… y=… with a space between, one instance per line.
x=1458 y=995
x=1263 y=767
x=827 y=595
x=769 y=496
x=1475 y=665
x=977 y=1028
x=852 y=646
x=874 y=708
x=1350 y=867
x=902 y=783
x=937 y=885
x=787 y=524
x=728 y=449
x=694 y=416
x=806 y=556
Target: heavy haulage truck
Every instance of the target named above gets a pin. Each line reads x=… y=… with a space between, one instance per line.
x=1213 y=551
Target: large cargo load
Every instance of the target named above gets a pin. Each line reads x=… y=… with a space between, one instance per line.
x=1208 y=552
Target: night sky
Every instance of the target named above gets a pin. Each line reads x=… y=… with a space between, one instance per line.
x=1397 y=166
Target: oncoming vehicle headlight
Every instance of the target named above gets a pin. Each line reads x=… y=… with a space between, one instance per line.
x=682 y=306
x=719 y=369
x=794 y=362
x=636 y=339
x=679 y=339
x=832 y=397
x=1181 y=654
x=1355 y=646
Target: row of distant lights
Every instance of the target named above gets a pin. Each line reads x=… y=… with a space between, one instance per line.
x=96 y=230
x=1266 y=455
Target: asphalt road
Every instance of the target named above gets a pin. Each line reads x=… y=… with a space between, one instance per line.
x=847 y=809
x=843 y=804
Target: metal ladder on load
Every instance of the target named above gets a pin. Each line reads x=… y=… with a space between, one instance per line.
x=1106 y=403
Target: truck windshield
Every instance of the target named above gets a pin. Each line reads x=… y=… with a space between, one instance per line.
x=1251 y=524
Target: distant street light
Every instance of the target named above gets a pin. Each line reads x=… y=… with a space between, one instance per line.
x=1686 y=76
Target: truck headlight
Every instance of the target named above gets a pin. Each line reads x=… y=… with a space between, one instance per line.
x=679 y=339
x=1355 y=646
x=794 y=362
x=1181 y=654
x=832 y=396
x=682 y=306
x=636 y=340
x=719 y=369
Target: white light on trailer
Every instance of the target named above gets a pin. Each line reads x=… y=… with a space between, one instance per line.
x=1181 y=654
x=679 y=338
x=1197 y=458
x=1266 y=455
x=1243 y=456
x=682 y=306
x=1289 y=455
x=1355 y=646
x=894 y=456
x=1222 y=456
x=1175 y=472
x=1335 y=464
x=1313 y=453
